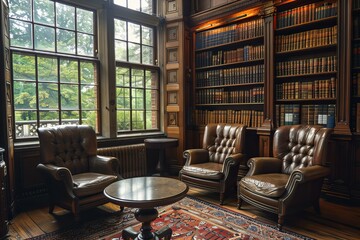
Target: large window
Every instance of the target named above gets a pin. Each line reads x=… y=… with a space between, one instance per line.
x=55 y=71
x=145 y=6
x=137 y=80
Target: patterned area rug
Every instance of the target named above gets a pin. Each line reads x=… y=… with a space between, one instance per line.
x=189 y=218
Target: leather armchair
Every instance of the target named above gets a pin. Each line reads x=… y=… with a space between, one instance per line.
x=215 y=166
x=75 y=175
x=292 y=179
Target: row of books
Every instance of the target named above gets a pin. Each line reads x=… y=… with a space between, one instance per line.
x=356 y=55
x=289 y=114
x=306 y=13
x=356 y=27
x=307 y=66
x=356 y=84
x=218 y=95
x=230 y=33
x=230 y=76
x=213 y=58
x=308 y=39
x=250 y=118
x=318 y=89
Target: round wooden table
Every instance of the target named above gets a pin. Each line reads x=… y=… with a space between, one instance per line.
x=146 y=193
x=161 y=144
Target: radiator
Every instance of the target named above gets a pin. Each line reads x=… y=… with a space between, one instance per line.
x=132 y=159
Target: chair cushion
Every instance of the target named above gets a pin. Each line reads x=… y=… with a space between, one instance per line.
x=268 y=185
x=90 y=183
x=209 y=170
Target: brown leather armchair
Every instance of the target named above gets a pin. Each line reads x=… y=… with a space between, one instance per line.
x=215 y=166
x=75 y=175
x=292 y=179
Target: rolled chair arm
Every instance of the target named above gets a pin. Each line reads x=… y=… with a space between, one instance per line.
x=303 y=175
x=194 y=156
x=58 y=173
x=232 y=161
x=104 y=165
x=262 y=165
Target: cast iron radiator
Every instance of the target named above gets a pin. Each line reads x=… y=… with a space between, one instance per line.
x=132 y=159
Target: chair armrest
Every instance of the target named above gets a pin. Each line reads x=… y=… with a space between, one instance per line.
x=58 y=173
x=262 y=165
x=303 y=175
x=231 y=162
x=194 y=156
x=104 y=164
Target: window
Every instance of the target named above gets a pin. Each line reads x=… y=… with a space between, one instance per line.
x=145 y=6
x=55 y=71
x=137 y=80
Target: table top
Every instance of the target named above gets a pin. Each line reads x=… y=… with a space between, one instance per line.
x=146 y=192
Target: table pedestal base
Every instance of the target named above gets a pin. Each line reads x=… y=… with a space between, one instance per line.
x=146 y=216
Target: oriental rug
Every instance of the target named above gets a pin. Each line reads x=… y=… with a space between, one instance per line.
x=189 y=218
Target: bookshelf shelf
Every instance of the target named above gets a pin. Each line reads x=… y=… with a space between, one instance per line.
x=306 y=75
x=231 y=85
x=257 y=39
x=243 y=63
x=307 y=50
x=228 y=104
x=311 y=24
x=306 y=100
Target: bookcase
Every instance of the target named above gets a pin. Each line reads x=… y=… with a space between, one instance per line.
x=229 y=72
x=355 y=113
x=306 y=63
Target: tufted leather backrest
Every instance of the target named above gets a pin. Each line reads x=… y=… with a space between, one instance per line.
x=68 y=146
x=221 y=140
x=300 y=146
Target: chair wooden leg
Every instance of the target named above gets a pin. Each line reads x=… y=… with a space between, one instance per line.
x=51 y=207
x=240 y=201
x=280 y=222
x=222 y=196
x=121 y=208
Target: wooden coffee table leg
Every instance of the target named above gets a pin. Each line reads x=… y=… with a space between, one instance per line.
x=164 y=233
x=145 y=216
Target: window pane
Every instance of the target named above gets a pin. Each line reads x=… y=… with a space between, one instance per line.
x=133 y=32
x=151 y=80
x=85 y=44
x=85 y=21
x=20 y=9
x=147 y=55
x=68 y=117
x=24 y=95
x=88 y=72
x=137 y=96
x=65 y=41
x=147 y=35
x=151 y=100
x=20 y=34
x=90 y=118
x=137 y=78
x=146 y=6
x=44 y=38
x=44 y=12
x=123 y=120
x=134 y=52
x=120 y=29
x=48 y=96
x=120 y=2
x=134 y=4
x=122 y=77
x=123 y=98
x=68 y=71
x=65 y=16
x=23 y=67
x=151 y=120
x=138 y=120
x=47 y=69
x=120 y=51
x=25 y=117
x=25 y=123
x=88 y=97
x=69 y=96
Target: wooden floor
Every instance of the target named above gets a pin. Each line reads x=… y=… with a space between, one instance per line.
x=336 y=221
